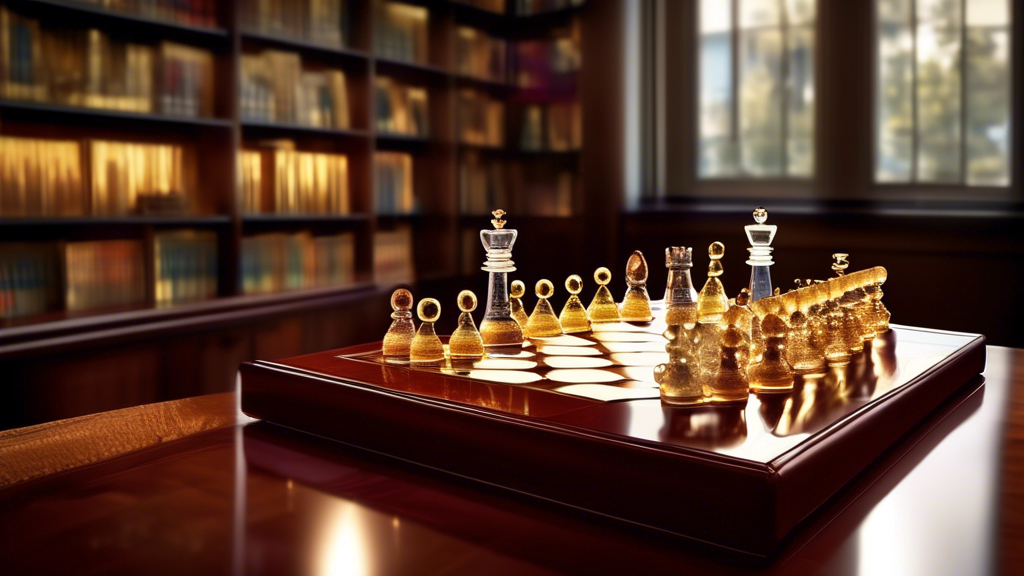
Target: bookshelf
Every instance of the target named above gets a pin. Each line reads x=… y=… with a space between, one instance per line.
x=417 y=184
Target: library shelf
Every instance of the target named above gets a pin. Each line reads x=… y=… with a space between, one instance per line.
x=305 y=218
x=63 y=331
x=303 y=46
x=532 y=24
x=256 y=126
x=426 y=72
x=466 y=80
x=485 y=20
x=80 y=114
x=392 y=141
x=95 y=15
x=486 y=148
x=129 y=220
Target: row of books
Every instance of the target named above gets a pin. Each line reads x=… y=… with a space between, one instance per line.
x=29 y=275
x=276 y=88
x=40 y=177
x=401 y=109
x=185 y=266
x=480 y=55
x=276 y=262
x=187 y=12
x=392 y=257
x=104 y=274
x=321 y=22
x=393 y=183
x=88 y=68
x=556 y=127
x=481 y=119
x=401 y=32
x=548 y=65
x=495 y=6
x=482 y=184
x=284 y=181
x=531 y=7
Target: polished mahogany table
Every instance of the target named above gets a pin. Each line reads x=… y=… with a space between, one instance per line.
x=195 y=487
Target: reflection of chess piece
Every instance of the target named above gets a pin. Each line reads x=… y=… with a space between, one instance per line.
x=836 y=351
x=705 y=427
x=543 y=323
x=602 y=308
x=803 y=350
x=772 y=373
x=400 y=334
x=426 y=347
x=466 y=341
x=574 y=317
x=680 y=297
x=515 y=302
x=760 y=236
x=679 y=378
x=636 y=305
x=853 y=332
x=499 y=328
x=712 y=302
x=729 y=384
x=740 y=315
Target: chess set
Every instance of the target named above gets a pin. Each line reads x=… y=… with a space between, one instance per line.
x=726 y=421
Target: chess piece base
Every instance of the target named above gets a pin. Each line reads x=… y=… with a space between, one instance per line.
x=398 y=340
x=603 y=308
x=574 y=317
x=465 y=343
x=681 y=315
x=501 y=332
x=636 y=305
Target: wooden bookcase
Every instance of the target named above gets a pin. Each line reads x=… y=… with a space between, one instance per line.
x=442 y=243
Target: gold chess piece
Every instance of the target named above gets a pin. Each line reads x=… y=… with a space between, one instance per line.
x=712 y=302
x=543 y=323
x=853 y=331
x=773 y=373
x=863 y=311
x=574 y=317
x=679 y=379
x=739 y=314
x=841 y=263
x=426 y=346
x=466 y=342
x=879 y=314
x=728 y=384
x=836 y=352
x=636 y=305
x=680 y=297
x=515 y=301
x=399 y=336
x=804 y=350
x=602 y=308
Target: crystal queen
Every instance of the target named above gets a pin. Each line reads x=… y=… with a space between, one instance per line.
x=499 y=328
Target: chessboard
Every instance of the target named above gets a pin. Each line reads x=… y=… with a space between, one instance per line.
x=577 y=420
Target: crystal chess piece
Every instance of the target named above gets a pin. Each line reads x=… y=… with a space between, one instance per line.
x=399 y=336
x=574 y=317
x=728 y=384
x=426 y=347
x=804 y=350
x=515 y=302
x=680 y=296
x=773 y=373
x=740 y=315
x=636 y=304
x=711 y=302
x=499 y=328
x=466 y=342
x=602 y=308
x=679 y=379
x=760 y=236
x=543 y=323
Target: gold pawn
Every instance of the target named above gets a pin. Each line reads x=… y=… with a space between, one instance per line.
x=773 y=373
x=729 y=384
x=803 y=350
x=515 y=302
x=712 y=302
x=574 y=317
x=603 y=308
x=466 y=342
x=679 y=379
x=636 y=304
x=399 y=336
x=543 y=323
x=426 y=347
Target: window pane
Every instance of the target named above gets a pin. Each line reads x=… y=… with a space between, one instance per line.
x=988 y=107
x=760 y=94
x=938 y=95
x=717 y=145
x=800 y=12
x=895 y=92
x=940 y=13
x=800 y=95
x=755 y=13
x=988 y=12
x=715 y=16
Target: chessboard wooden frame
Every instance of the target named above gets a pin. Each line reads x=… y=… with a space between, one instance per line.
x=737 y=504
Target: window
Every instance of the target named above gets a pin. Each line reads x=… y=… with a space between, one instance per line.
x=756 y=103
x=939 y=121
